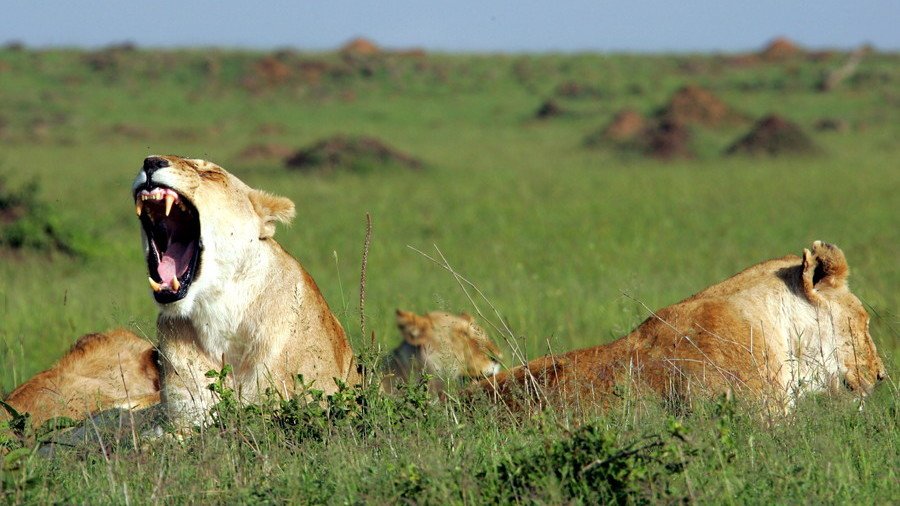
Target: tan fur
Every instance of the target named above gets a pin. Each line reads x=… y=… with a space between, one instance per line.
x=775 y=331
x=251 y=304
x=116 y=369
x=443 y=345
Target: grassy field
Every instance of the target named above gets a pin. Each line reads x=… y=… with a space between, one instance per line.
x=560 y=237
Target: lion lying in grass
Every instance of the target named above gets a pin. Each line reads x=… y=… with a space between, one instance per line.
x=775 y=331
x=443 y=345
x=116 y=369
x=227 y=292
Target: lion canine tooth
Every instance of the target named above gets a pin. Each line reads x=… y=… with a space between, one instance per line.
x=170 y=199
x=175 y=284
x=154 y=285
x=139 y=206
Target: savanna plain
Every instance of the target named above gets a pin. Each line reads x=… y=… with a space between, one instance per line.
x=520 y=187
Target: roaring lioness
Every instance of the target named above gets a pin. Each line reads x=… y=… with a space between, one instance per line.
x=116 y=369
x=775 y=331
x=227 y=292
x=444 y=345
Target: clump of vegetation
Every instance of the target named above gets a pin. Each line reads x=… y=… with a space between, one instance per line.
x=27 y=222
x=591 y=466
x=311 y=415
x=358 y=154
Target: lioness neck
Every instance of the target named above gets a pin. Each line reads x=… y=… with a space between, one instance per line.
x=223 y=316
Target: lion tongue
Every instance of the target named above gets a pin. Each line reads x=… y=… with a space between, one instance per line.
x=173 y=260
x=166 y=270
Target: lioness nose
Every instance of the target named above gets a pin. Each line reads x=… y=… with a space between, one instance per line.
x=154 y=163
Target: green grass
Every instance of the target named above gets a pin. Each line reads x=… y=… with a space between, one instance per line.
x=553 y=233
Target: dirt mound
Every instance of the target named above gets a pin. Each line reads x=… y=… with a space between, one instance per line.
x=262 y=151
x=130 y=131
x=12 y=206
x=667 y=140
x=630 y=132
x=549 y=109
x=774 y=135
x=831 y=125
x=626 y=124
x=271 y=128
x=271 y=70
x=575 y=89
x=694 y=105
x=360 y=47
x=352 y=154
x=780 y=48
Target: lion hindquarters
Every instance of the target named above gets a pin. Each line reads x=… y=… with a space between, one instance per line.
x=100 y=371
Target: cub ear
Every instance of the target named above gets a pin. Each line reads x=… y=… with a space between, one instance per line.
x=271 y=208
x=824 y=267
x=467 y=317
x=413 y=327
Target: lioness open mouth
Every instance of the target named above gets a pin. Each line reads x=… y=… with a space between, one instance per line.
x=172 y=225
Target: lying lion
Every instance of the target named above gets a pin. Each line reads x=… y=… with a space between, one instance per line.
x=776 y=331
x=116 y=369
x=227 y=292
x=443 y=345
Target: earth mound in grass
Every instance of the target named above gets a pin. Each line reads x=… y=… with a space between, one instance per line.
x=779 y=49
x=575 y=89
x=549 y=109
x=668 y=140
x=272 y=70
x=626 y=124
x=358 y=154
x=261 y=151
x=831 y=125
x=773 y=136
x=629 y=131
x=694 y=105
x=360 y=47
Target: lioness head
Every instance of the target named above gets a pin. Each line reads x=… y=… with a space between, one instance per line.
x=448 y=346
x=842 y=317
x=200 y=227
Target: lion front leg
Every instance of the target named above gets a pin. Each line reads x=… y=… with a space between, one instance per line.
x=186 y=396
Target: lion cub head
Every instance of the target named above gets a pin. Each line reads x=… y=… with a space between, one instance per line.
x=200 y=225
x=444 y=345
x=846 y=322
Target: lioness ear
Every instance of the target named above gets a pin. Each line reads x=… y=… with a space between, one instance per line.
x=824 y=267
x=413 y=327
x=271 y=208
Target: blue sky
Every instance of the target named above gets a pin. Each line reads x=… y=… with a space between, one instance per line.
x=459 y=25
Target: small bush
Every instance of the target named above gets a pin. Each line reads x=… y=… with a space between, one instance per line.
x=590 y=465
x=26 y=222
x=311 y=415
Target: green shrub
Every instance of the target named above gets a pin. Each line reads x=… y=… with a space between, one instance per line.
x=592 y=466
x=27 y=222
